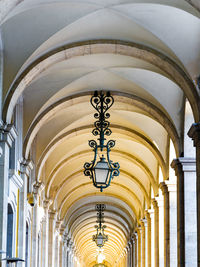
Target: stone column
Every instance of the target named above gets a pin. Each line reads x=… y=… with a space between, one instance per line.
x=171 y=185
x=194 y=133
x=156 y=232
x=7 y=136
x=35 y=226
x=148 y=239
x=139 y=246
x=165 y=193
x=57 y=242
x=143 y=240
x=170 y=218
x=160 y=202
x=51 y=248
x=25 y=169
x=128 y=255
x=62 y=247
x=56 y=250
x=129 y=252
x=67 y=259
x=185 y=169
x=134 y=249
x=152 y=238
x=45 y=232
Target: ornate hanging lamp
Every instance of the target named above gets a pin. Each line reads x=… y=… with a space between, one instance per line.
x=100 y=238
x=101 y=172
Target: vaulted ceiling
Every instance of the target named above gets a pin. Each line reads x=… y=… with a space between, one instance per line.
x=56 y=54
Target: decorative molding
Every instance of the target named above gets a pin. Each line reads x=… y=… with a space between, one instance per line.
x=183 y=165
x=8 y=133
x=194 y=133
x=26 y=166
x=15 y=178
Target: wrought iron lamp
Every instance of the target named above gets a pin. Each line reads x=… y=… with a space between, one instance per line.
x=100 y=238
x=101 y=172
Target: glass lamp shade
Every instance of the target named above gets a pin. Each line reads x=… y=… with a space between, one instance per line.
x=101 y=172
x=100 y=240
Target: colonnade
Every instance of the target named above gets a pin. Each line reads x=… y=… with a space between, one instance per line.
x=166 y=234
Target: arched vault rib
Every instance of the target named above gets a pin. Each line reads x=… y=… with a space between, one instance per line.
x=113 y=238
x=173 y=70
x=118 y=225
x=85 y=202
x=127 y=201
x=92 y=230
x=115 y=243
x=73 y=227
x=129 y=133
x=130 y=157
x=84 y=226
x=123 y=172
x=77 y=213
x=151 y=109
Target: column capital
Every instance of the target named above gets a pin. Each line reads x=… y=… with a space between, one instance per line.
x=52 y=214
x=183 y=165
x=138 y=229
x=8 y=133
x=171 y=186
x=160 y=200
x=134 y=236
x=58 y=225
x=26 y=166
x=194 y=133
x=129 y=244
x=143 y=222
x=37 y=187
x=147 y=214
x=47 y=203
x=164 y=188
x=154 y=203
x=62 y=230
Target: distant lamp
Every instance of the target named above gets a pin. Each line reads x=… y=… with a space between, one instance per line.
x=100 y=238
x=101 y=172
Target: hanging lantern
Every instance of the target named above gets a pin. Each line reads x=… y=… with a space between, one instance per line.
x=101 y=172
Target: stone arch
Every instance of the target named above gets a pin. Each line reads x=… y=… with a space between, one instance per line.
x=172 y=70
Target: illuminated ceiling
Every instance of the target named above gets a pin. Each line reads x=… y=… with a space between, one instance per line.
x=145 y=53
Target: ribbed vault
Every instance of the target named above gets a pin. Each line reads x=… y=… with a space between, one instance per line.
x=146 y=55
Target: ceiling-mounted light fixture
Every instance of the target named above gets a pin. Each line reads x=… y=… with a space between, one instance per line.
x=100 y=238
x=101 y=172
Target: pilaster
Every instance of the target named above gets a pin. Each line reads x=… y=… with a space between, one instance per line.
x=139 y=247
x=156 y=232
x=143 y=240
x=160 y=202
x=185 y=169
x=37 y=187
x=45 y=231
x=51 y=251
x=148 y=238
x=7 y=136
x=194 y=133
x=25 y=168
x=165 y=193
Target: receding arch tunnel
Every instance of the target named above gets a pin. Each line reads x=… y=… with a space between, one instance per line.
x=54 y=55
